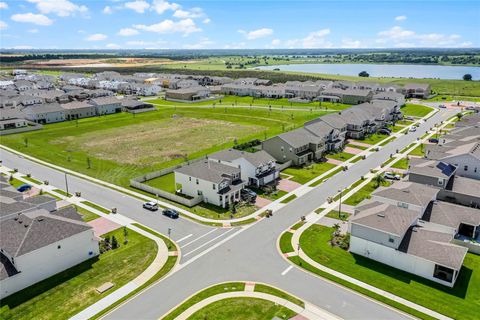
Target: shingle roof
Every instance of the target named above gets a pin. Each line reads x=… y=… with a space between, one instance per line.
x=466 y=186
x=433 y=246
x=255 y=158
x=208 y=170
x=43 y=108
x=431 y=168
x=299 y=137
x=106 y=100
x=385 y=217
x=408 y=192
x=452 y=215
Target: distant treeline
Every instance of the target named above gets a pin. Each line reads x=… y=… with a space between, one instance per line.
x=53 y=56
x=405 y=57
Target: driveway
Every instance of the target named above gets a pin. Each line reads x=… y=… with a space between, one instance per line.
x=103 y=225
x=288 y=185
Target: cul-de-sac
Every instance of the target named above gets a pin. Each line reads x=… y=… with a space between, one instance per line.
x=239 y=160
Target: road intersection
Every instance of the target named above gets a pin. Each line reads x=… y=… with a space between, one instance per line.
x=212 y=255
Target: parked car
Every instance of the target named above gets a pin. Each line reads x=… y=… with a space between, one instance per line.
x=410 y=118
x=171 y=213
x=442 y=106
x=385 y=132
x=433 y=140
x=248 y=195
x=391 y=176
x=24 y=187
x=412 y=129
x=152 y=206
x=386 y=128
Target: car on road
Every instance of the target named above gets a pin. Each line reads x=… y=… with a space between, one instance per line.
x=433 y=140
x=412 y=129
x=171 y=213
x=442 y=106
x=391 y=176
x=152 y=206
x=24 y=187
x=248 y=195
x=385 y=132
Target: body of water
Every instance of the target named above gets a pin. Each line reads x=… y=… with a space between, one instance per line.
x=384 y=70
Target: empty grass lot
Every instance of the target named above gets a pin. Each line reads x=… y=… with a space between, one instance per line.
x=374 y=138
x=118 y=147
x=165 y=183
x=401 y=164
x=418 y=151
x=460 y=302
x=304 y=174
x=415 y=110
x=340 y=156
x=72 y=290
x=243 y=308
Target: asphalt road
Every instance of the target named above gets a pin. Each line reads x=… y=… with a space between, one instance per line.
x=211 y=255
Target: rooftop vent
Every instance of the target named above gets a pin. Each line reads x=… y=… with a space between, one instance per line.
x=381 y=215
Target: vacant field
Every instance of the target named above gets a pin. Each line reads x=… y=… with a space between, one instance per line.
x=459 y=302
x=304 y=174
x=118 y=147
x=156 y=141
x=415 y=110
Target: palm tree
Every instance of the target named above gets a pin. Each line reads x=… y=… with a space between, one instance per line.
x=379 y=179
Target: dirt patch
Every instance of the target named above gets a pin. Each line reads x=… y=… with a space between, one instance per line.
x=158 y=141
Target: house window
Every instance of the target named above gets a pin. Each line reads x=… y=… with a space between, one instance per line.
x=291 y=149
x=59 y=246
x=440 y=182
x=213 y=186
x=465 y=168
x=197 y=181
x=189 y=178
x=402 y=205
x=281 y=148
x=199 y=192
x=475 y=170
x=391 y=239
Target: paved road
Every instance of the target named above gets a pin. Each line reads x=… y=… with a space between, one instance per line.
x=213 y=255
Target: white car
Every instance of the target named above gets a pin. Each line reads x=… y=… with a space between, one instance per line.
x=412 y=129
x=391 y=176
x=152 y=206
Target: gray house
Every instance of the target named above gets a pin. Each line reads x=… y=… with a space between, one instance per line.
x=45 y=113
x=107 y=105
x=78 y=110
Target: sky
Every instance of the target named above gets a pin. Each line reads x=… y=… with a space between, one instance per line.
x=216 y=24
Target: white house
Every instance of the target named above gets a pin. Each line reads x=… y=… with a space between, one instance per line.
x=107 y=105
x=45 y=113
x=258 y=168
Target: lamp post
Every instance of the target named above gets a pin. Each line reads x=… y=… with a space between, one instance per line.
x=66 y=183
x=169 y=232
x=340 y=203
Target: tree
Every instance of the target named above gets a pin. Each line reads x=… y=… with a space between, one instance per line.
x=378 y=179
x=467 y=77
x=364 y=74
x=125 y=235
x=459 y=115
x=114 y=243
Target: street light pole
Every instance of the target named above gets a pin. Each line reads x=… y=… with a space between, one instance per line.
x=340 y=204
x=66 y=183
x=169 y=232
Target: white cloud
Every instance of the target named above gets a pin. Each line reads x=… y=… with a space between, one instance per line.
x=257 y=34
x=138 y=6
x=3 y=25
x=202 y=44
x=127 y=32
x=81 y=31
x=96 y=37
x=238 y=45
x=402 y=38
x=145 y=44
x=22 y=47
x=349 y=43
x=33 y=30
x=276 y=42
x=38 y=19
x=62 y=8
x=160 y=6
x=206 y=21
x=107 y=10
x=3 y=5
x=185 y=26
x=314 y=39
x=112 y=46
x=400 y=18
x=192 y=13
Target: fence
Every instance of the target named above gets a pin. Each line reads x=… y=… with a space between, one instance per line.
x=283 y=166
x=31 y=127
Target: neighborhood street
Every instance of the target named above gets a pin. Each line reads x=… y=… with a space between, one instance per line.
x=211 y=255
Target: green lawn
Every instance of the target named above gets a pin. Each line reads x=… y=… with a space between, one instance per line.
x=356 y=147
x=165 y=183
x=447 y=98
x=460 y=302
x=243 y=308
x=363 y=193
x=286 y=242
x=215 y=212
x=418 y=151
x=401 y=164
x=304 y=174
x=86 y=214
x=340 y=156
x=279 y=293
x=289 y=198
x=274 y=195
x=69 y=292
x=202 y=295
x=405 y=122
x=14 y=182
x=331 y=174
x=335 y=215
x=415 y=110
x=374 y=138
x=63 y=193
x=31 y=180
x=95 y=206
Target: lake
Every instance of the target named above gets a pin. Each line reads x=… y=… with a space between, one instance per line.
x=383 y=70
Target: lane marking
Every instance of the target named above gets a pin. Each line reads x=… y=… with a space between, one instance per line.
x=196 y=239
x=197 y=248
x=184 y=238
x=286 y=270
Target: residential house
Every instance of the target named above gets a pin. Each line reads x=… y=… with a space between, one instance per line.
x=107 y=105
x=188 y=94
x=347 y=96
x=416 y=90
x=257 y=168
x=431 y=172
x=390 y=96
x=131 y=105
x=78 y=110
x=45 y=113
x=215 y=182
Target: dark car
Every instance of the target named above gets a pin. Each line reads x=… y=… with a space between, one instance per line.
x=433 y=140
x=385 y=132
x=24 y=187
x=248 y=195
x=386 y=128
x=170 y=213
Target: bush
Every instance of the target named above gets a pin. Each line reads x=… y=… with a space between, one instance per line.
x=247 y=145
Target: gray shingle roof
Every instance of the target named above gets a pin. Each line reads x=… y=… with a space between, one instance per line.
x=208 y=170
x=452 y=215
x=408 y=192
x=431 y=168
x=255 y=158
x=299 y=137
x=385 y=217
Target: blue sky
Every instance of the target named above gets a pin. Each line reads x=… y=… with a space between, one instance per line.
x=140 y=24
